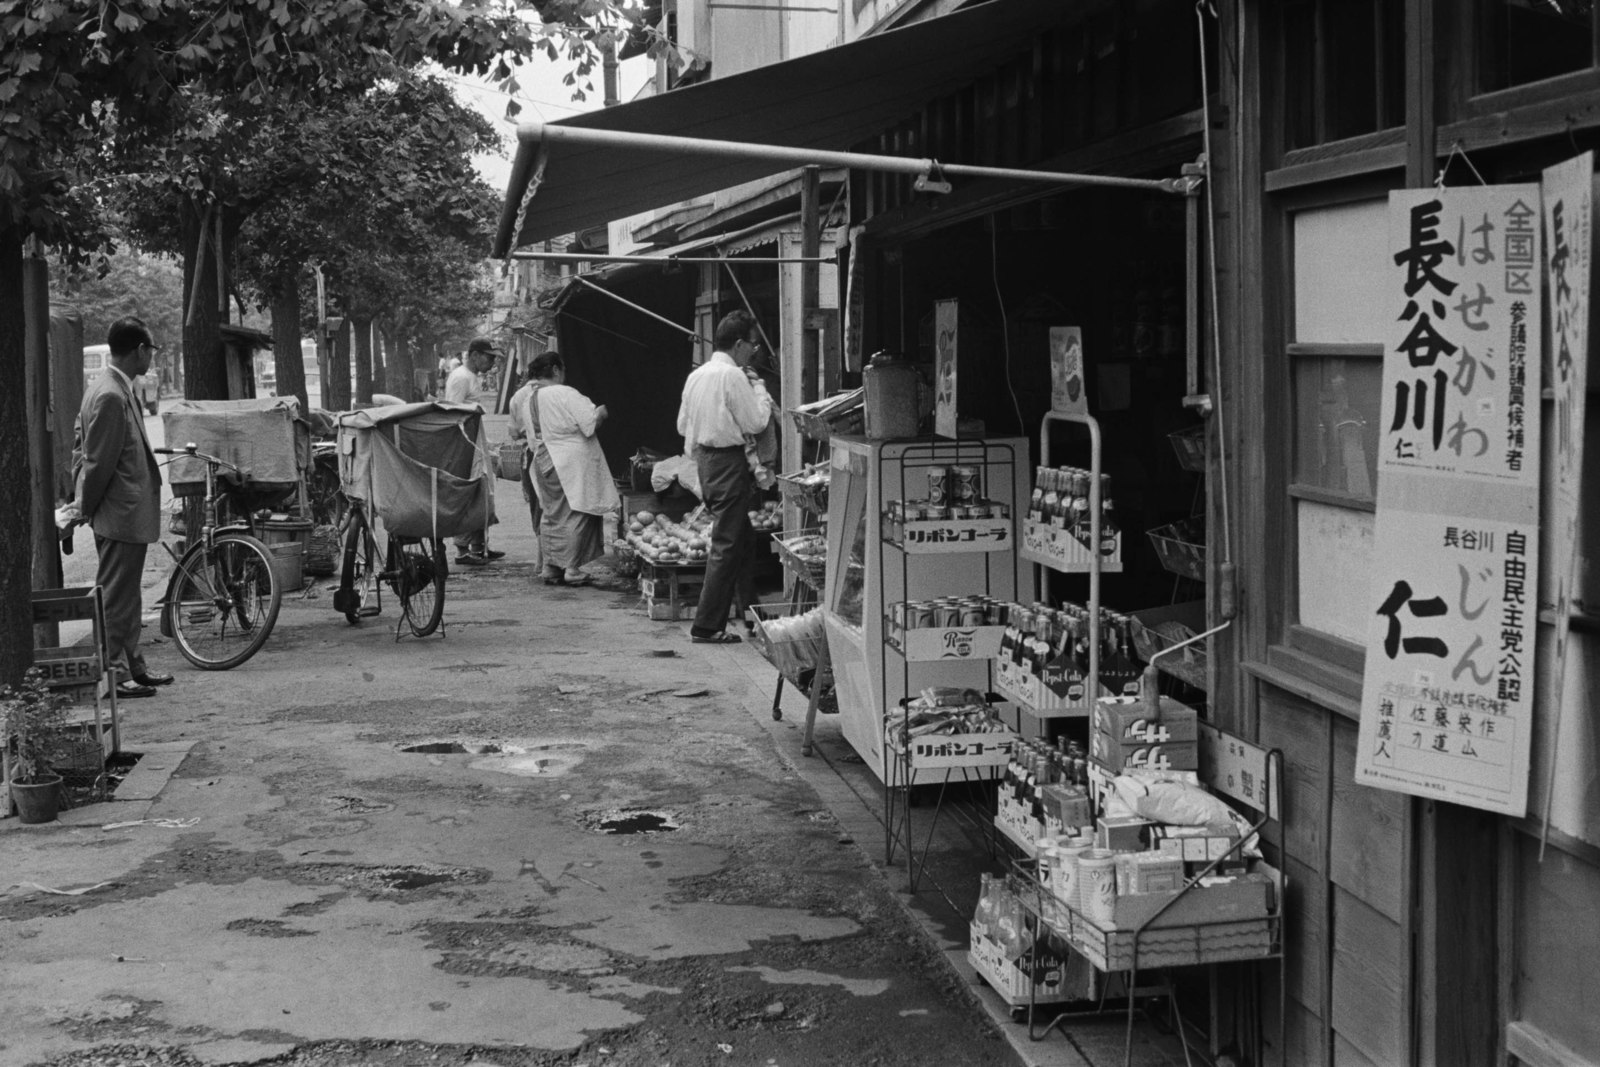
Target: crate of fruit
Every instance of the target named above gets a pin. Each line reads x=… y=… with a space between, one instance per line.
x=660 y=540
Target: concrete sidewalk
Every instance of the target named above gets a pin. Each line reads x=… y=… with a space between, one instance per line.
x=560 y=834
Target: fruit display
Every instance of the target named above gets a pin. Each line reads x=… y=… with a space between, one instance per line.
x=768 y=519
x=808 y=487
x=660 y=540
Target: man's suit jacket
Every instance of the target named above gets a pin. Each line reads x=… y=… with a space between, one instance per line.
x=119 y=481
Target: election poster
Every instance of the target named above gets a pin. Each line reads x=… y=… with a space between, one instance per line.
x=1447 y=698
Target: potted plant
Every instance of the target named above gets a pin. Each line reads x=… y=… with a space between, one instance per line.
x=33 y=718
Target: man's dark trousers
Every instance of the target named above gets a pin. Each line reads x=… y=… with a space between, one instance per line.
x=725 y=487
x=120 y=576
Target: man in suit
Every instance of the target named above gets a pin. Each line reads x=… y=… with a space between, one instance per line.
x=119 y=495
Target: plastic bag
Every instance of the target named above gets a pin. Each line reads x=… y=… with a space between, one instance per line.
x=1174 y=803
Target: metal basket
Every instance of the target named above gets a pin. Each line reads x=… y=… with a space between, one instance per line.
x=1187 y=665
x=797 y=660
x=1181 y=548
x=322 y=551
x=807 y=496
x=810 y=570
x=508 y=461
x=1190 y=445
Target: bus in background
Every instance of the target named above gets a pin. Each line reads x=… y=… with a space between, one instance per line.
x=146 y=387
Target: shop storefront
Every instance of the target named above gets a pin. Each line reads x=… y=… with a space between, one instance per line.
x=1236 y=386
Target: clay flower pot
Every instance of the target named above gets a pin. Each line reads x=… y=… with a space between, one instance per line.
x=37 y=801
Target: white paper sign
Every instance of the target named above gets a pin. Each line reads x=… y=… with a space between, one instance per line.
x=1447 y=698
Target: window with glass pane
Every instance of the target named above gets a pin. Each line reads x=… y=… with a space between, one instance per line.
x=1335 y=383
x=1522 y=41
x=1336 y=412
x=1344 y=68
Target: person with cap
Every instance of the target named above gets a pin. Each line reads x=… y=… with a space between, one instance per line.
x=471 y=548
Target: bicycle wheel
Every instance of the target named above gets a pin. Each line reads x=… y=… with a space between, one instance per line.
x=358 y=593
x=223 y=601
x=417 y=572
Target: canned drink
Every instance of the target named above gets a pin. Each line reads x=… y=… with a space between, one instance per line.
x=999 y=511
x=897 y=510
x=938 y=485
x=980 y=510
x=897 y=615
x=966 y=484
x=974 y=615
x=936 y=512
x=947 y=615
x=920 y=614
x=960 y=511
x=912 y=511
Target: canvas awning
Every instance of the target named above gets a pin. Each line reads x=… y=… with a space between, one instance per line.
x=829 y=100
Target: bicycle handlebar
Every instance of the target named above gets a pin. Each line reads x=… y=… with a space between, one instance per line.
x=191 y=449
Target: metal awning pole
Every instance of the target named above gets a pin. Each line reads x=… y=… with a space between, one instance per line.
x=641 y=310
x=544 y=133
x=599 y=257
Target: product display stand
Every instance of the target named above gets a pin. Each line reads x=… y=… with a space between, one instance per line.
x=1178 y=929
x=914 y=555
x=1051 y=548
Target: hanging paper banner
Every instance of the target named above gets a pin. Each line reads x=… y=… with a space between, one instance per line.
x=944 y=367
x=1447 y=697
x=1568 y=206
x=1067 y=390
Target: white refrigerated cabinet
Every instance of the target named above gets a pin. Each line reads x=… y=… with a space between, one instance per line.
x=867 y=571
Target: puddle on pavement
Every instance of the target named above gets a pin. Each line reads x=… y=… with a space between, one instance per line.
x=635 y=821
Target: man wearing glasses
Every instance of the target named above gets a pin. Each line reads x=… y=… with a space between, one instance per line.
x=119 y=496
x=721 y=405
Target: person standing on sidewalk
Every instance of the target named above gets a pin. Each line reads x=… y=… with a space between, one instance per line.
x=472 y=549
x=119 y=496
x=722 y=404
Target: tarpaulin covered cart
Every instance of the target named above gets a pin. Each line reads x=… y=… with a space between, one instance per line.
x=423 y=472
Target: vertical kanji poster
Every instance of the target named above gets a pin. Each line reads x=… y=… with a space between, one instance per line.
x=1447 y=698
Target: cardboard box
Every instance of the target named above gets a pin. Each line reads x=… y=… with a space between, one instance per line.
x=1068 y=805
x=1123 y=833
x=1236 y=901
x=1117 y=756
x=1129 y=720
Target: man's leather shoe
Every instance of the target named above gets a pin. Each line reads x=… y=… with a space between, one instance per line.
x=471 y=559
x=128 y=689
x=153 y=679
x=494 y=553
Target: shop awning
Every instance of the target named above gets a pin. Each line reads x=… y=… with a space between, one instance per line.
x=829 y=100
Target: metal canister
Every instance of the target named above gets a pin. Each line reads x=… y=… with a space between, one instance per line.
x=920 y=614
x=966 y=484
x=974 y=613
x=938 y=485
x=947 y=613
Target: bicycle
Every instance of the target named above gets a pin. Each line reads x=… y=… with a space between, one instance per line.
x=414 y=567
x=223 y=596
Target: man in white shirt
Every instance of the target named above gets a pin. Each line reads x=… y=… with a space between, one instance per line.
x=471 y=548
x=721 y=405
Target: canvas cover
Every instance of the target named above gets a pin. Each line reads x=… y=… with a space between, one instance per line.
x=424 y=469
x=266 y=437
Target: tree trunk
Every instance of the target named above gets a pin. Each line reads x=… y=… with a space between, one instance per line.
x=205 y=375
x=286 y=340
x=363 y=351
x=336 y=387
x=402 y=382
x=16 y=505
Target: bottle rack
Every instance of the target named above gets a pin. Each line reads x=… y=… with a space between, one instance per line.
x=1047 y=549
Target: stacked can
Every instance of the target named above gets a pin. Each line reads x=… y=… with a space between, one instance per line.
x=944 y=612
